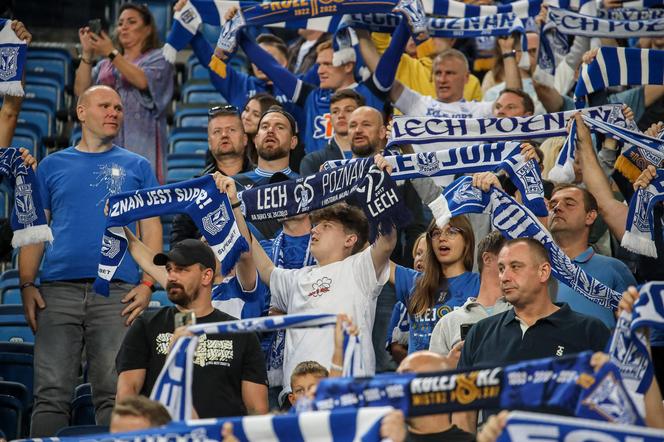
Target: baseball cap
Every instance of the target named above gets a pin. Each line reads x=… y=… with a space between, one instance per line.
x=186 y=253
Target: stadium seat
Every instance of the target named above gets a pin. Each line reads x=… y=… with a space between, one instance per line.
x=160 y=299
x=188 y=139
x=81 y=430
x=40 y=112
x=75 y=136
x=56 y=60
x=20 y=392
x=17 y=347
x=200 y=91
x=18 y=367
x=45 y=86
x=82 y=389
x=192 y=114
x=82 y=411
x=162 y=13
x=28 y=135
x=12 y=295
x=11 y=416
x=9 y=277
x=13 y=325
x=185 y=160
x=182 y=174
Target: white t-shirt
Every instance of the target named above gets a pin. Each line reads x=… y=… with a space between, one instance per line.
x=417 y=105
x=349 y=286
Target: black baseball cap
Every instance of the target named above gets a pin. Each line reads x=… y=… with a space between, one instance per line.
x=186 y=253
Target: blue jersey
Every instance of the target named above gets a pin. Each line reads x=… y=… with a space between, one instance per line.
x=75 y=186
x=458 y=290
x=231 y=298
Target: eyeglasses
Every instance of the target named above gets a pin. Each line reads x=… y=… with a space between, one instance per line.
x=450 y=233
x=224 y=109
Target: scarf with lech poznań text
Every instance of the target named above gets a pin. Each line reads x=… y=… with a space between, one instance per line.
x=173 y=387
x=639 y=236
x=199 y=198
x=561 y=384
x=515 y=221
x=13 y=53
x=470 y=159
x=28 y=220
x=370 y=188
x=628 y=347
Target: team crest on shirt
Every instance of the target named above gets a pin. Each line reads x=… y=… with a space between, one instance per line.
x=320 y=287
x=215 y=221
x=8 y=62
x=427 y=163
x=110 y=246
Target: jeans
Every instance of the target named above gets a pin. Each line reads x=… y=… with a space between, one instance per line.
x=74 y=317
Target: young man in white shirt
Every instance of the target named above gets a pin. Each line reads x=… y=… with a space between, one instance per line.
x=347 y=279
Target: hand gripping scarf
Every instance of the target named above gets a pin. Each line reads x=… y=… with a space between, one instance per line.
x=639 y=234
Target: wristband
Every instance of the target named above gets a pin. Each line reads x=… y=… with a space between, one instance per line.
x=150 y=285
x=236 y=205
x=336 y=367
x=85 y=60
x=114 y=53
x=27 y=284
x=512 y=53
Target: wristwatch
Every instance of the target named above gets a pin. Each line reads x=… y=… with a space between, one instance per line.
x=512 y=53
x=27 y=284
x=114 y=53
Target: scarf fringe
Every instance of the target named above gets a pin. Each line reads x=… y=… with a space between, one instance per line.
x=32 y=235
x=12 y=88
x=639 y=244
x=169 y=53
x=441 y=211
x=343 y=56
x=562 y=174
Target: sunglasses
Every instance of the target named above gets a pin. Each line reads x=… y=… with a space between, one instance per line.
x=224 y=109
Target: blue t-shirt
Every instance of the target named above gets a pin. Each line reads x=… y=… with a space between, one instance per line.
x=230 y=298
x=459 y=289
x=75 y=186
x=609 y=271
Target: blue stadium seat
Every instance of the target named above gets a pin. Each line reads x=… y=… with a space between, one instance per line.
x=11 y=295
x=192 y=115
x=81 y=430
x=13 y=325
x=82 y=411
x=28 y=135
x=20 y=392
x=18 y=367
x=56 y=60
x=182 y=174
x=39 y=112
x=17 y=347
x=9 y=276
x=11 y=416
x=181 y=138
x=160 y=299
x=75 y=136
x=162 y=13
x=47 y=87
x=200 y=91
x=185 y=160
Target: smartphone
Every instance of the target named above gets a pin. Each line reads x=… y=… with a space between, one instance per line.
x=185 y=318
x=465 y=328
x=95 y=26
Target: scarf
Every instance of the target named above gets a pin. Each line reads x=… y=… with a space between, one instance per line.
x=573 y=23
x=628 y=347
x=554 y=383
x=522 y=8
x=28 y=220
x=361 y=425
x=173 y=386
x=515 y=221
x=630 y=14
x=13 y=52
x=362 y=182
x=639 y=234
x=610 y=68
x=199 y=198
x=525 y=426
x=470 y=159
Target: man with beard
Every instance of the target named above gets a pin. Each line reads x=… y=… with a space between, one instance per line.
x=229 y=369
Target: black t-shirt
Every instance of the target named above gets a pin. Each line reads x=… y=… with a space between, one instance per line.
x=453 y=434
x=221 y=363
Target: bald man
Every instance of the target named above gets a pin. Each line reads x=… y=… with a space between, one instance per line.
x=367 y=132
x=423 y=428
x=64 y=312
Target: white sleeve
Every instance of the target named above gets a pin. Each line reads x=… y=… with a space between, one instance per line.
x=282 y=285
x=362 y=267
x=411 y=103
x=482 y=109
x=440 y=336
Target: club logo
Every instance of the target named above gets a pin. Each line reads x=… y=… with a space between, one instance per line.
x=320 y=287
x=427 y=163
x=215 y=221
x=110 y=246
x=466 y=192
x=8 y=62
x=530 y=178
x=25 y=206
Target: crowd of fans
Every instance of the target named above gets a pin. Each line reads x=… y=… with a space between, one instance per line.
x=422 y=298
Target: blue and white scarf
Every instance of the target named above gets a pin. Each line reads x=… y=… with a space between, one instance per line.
x=523 y=426
x=28 y=220
x=469 y=159
x=361 y=425
x=210 y=210
x=13 y=52
x=630 y=14
x=560 y=383
x=628 y=347
x=522 y=8
x=372 y=189
x=173 y=387
x=639 y=234
x=619 y=67
x=515 y=221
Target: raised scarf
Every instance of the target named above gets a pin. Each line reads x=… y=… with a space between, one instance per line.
x=13 y=53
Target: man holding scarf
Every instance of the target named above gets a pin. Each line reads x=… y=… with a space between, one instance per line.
x=65 y=312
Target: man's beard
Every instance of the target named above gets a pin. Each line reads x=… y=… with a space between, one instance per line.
x=363 y=151
x=181 y=297
x=273 y=154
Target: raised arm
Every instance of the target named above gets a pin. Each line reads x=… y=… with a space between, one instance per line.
x=143 y=255
x=11 y=105
x=382 y=248
x=512 y=71
x=262 y=262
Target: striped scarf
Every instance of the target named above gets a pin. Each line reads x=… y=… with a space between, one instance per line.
x=619 y=67
x=522 y=8
x=630 y=14
x=13 y=53
x=515 y=221
x=639 y=234
x=173 y=387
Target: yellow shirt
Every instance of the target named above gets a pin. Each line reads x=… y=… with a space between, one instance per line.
x=415 y=73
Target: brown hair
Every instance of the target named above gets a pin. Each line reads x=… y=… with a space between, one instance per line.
x=309 y=367
x=152 y=40
x=536 y=248
x=141 y=406
x=343 y=94
x=421 y=236
x=350 y=217
x=432 y=279
x=274 y=41
x=492 y=243
x=528 y=104
x=265 y=101
x=323 y=45
x=589 y=201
